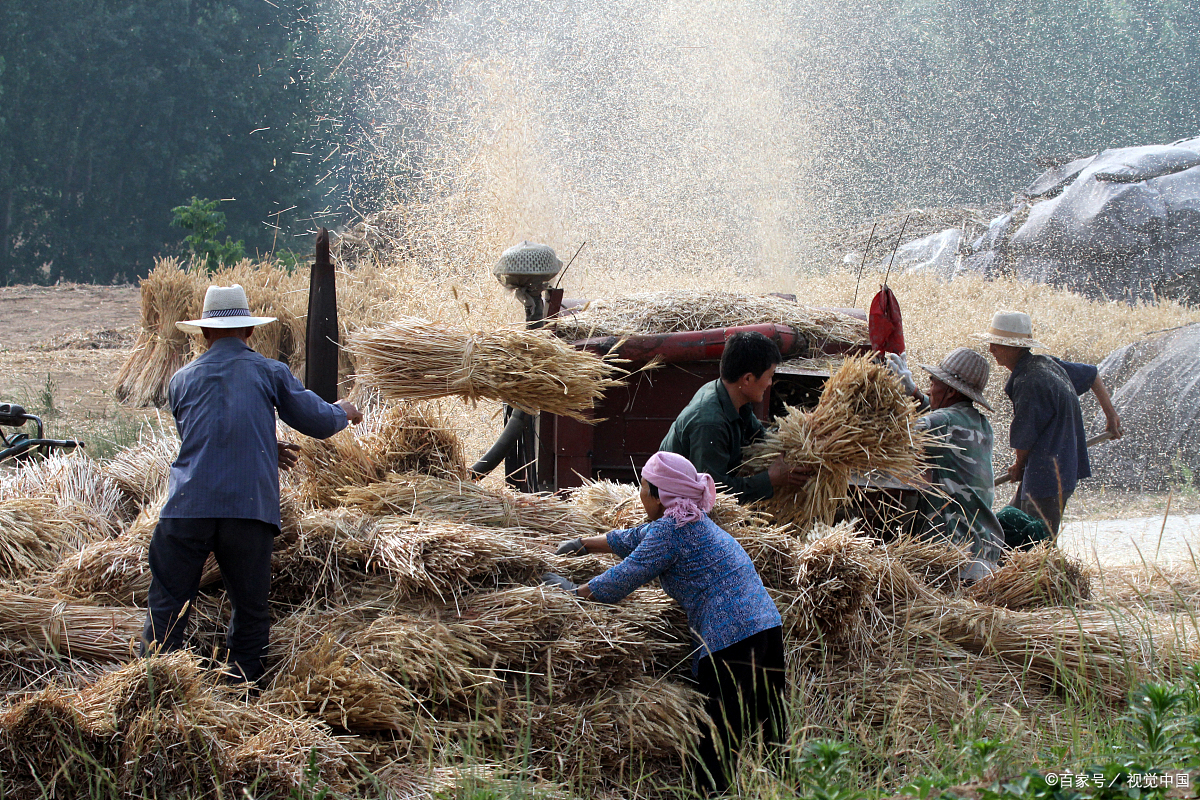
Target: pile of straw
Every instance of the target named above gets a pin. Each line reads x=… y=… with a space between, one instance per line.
x=1042 y=576
x=170 y=294
x=142 y=471
x=618 y=506
x=155 y=728
x=863 y=423
x=75 y=630
x=934 y=562
x=413 y=359
x=87 y=503
x=669 y=312
x=417 y=495
x=392 y=438
x=272 y=292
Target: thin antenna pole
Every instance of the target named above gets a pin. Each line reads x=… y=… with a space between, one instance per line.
x=568 y=266
x=897 y=247
x=854 y=302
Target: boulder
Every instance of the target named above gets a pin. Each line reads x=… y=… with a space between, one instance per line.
x=1122 y=224
x=1155 y=387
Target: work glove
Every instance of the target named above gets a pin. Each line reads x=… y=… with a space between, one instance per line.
x=899 y=367
x=571 y=547
x=550 y=579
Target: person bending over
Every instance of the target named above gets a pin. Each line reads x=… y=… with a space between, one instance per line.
x=737 y=630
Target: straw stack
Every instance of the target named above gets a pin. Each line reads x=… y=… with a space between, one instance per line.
x=1042 y=576
x=619 y=506
x=76 y=630
x=392 y=438
x=414 y=494
x=170 y=294
x=863 y=423
x=668 y=312
x=272 y=292
x=413 y=359
x=87 y=502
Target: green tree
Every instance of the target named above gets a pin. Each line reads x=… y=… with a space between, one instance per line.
x=206 y=223
x=115 y=111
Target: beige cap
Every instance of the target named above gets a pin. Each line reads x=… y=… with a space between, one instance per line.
x=1010 y=328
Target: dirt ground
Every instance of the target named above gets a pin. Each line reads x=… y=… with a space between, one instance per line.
x=60 y=353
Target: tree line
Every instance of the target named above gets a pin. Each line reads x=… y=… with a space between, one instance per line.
x=115 y=112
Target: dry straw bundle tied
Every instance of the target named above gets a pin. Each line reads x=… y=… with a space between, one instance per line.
x=170 y=294
x=142 y=471
x=863 y=423
x=419 y=495
x=75 y=630
x=618 y=505
x=30 y=539
x=413 y=359
x=668 y=312
x=1042 y=576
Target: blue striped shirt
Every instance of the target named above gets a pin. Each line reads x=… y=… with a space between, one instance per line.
x=703 y=568
x=224 y=406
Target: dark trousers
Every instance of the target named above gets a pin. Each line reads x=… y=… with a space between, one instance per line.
x=1047 y=509
x=243 y=550
x=745 y=686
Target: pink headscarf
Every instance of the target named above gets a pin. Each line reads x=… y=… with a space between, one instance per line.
x=685 y=493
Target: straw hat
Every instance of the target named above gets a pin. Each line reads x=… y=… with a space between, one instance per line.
x=224 y=307
x=964 y=370
x=1011 y=328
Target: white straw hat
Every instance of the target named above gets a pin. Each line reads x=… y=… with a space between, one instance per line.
x=224 y=307
x=965 y=370
x=1010 y=328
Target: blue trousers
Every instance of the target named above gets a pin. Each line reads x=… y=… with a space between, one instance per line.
x=242 y=548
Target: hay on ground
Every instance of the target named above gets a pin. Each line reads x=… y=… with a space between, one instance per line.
x=1042 y=576
x=142 y=471
x=30 y=537
x=414 y=494
x=74 y=630
x=412 y=359
x=934 y=562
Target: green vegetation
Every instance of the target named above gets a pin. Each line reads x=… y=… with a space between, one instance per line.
x=206 y=224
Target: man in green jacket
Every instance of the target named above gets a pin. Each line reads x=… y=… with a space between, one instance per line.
x=719 y=421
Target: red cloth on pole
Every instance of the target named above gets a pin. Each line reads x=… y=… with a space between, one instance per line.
x=884 y=326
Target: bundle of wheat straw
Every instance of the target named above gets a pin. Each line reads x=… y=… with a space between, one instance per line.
x=328 y=554
x=170 y=294
x=331 y=682
x=142 y=471
x=863 y=423
x=428 y=658
x=1081 y=652
x=46 y=748
x=552 y=644
x=836 y=576
x=30 y=537
x=1042 y=576
x=277 y=756
x=616 y=732
x=447 y=558
x=775 y=551
x=75 y=630
x=414 y=494
x=668 y=312
x=412 y=359
x=934 y=562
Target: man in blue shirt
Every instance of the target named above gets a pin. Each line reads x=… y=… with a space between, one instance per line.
x=1048 y=437
x=223 y=494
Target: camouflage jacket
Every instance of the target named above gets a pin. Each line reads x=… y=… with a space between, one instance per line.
x=961 y=467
